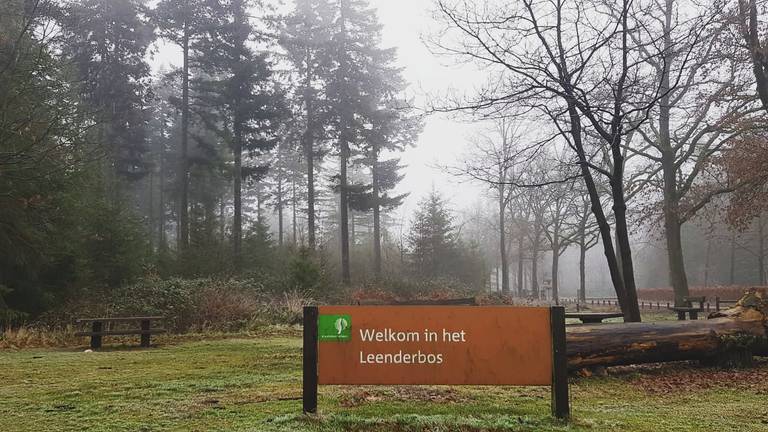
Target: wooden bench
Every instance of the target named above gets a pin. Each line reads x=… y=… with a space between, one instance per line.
x=719 y=303
x=692 y=310
x=97 y=328
x=593 y=317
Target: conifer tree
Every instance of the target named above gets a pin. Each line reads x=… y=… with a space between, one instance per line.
x=361 y=76
x=107 y=41
x=392 y=127
x=306 y=36
x=248 y=104
x=183 y=22
x=432 y=239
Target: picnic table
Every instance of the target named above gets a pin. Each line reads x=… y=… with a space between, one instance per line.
x=593 y=317
x=97 y=328
x=693 y=311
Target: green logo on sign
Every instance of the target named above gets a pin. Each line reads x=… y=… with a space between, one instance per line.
x=337 y=328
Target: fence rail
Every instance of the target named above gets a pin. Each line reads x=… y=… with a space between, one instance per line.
x=717 y=305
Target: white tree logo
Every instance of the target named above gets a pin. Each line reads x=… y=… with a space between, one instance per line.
x=341 y=325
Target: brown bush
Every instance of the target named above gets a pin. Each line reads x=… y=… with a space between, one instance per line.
x=218 y=307
x=29 y=337
x=388 y=291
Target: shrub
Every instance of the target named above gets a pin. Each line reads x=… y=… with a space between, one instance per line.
x=27 y=337
x=218 y=307
x=189 y=304
x=388 y=290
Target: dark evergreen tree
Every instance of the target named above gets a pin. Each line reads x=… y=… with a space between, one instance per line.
x=306 y=36
x=247 y=103
x=392 y=127
x=432 y=240
x=59 y=230
x=183 y=22
x=107 y=41
x=360 y=77
x=161 y=157
x=435 y=249
x=285 y=171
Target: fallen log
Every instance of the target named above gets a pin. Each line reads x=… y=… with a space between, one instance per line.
x=726 y=336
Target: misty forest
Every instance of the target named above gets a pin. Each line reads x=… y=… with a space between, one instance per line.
x=223 y=163
x=273 y=153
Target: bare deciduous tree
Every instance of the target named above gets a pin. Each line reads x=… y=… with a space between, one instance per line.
x=576 y=61
x=692 y=122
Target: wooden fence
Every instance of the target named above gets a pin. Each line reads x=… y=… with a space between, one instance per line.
x=717 y=305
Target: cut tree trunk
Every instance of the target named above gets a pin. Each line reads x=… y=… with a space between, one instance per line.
x=741 y=329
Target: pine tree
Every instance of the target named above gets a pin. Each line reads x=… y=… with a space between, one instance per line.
x=306 y=36
x=285 y=170
x=43 y=149
x=248 y=105
x=392 y=127
x=183 y=22
x=107 y=41
x=161 y=155
x=360 y=77
x=432 y=239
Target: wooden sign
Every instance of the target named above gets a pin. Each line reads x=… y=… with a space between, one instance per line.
x=434 y=345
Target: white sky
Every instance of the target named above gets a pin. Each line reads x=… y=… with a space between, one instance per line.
x=443 y=140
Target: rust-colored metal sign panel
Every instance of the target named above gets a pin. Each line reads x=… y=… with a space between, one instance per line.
x=495 y=345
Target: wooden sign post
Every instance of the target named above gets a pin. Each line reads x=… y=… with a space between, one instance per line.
x=435 y=345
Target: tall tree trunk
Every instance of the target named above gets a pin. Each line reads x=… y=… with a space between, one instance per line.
x=535 y=264
x=151 y=210
x=707 y=262
x=582 y=271
x=344 y=141
x=222 y=220
x=748 y=13
x=183 y=241
x=293 y=210
x=630 y=309
x=238 y=123
x=632 y=312
x=677 y=276
x=210 y=220
x=733 y=259
x=583 y=253
x=622 y=235
x=344 y=213
x=503 y=242
x=280 y=211
x=672 y=222
x=761 y=250
x=161 y=194
x=555 y=261
x=237 y=220
x=309 y=154
x=258 y=202
x=376 y=215
x=520 y=264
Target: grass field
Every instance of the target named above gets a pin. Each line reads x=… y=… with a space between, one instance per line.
x=254 y=384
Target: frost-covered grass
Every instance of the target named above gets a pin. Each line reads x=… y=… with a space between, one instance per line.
x=254 y=384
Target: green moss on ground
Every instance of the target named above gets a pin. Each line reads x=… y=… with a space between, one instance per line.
x=255 y=385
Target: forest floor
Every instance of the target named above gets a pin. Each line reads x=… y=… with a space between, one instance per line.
x=254 y=384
